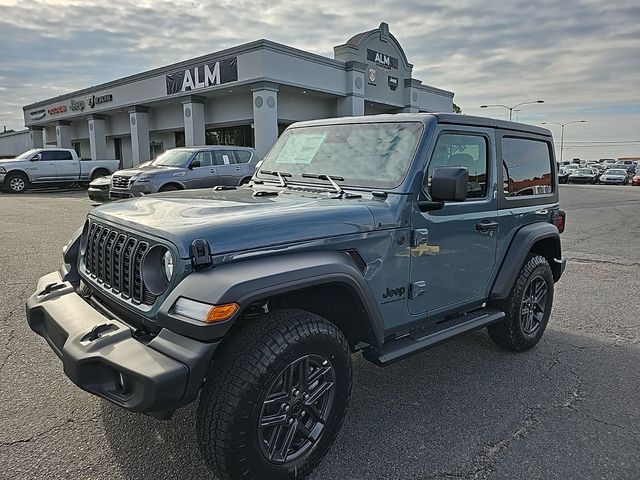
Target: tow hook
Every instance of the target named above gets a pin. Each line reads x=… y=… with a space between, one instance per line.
x=51 y=288
x=97 y=331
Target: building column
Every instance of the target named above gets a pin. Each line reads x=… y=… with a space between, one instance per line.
x=97 y=137
x=36 y=137
x=139 y=123
x=63 y=134
x=193 y=112
x=353 y=104
x=265 y=117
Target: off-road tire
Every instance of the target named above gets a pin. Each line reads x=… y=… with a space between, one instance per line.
x=13 y=179
x=511 y=333
x=241 y=376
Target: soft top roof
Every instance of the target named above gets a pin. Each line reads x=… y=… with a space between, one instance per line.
x=447 y=118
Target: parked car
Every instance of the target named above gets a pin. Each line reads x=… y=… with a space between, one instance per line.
x=51 y=166
x=629 y=165
x=186 y=168
x=254 y=299
x=98 y=190
x=572 y=167
x=635 y=180
x=583 y=175
x=614 y=176
x=563 y=175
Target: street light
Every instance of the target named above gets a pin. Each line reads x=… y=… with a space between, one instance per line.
x=511 y=108
x=562 y=125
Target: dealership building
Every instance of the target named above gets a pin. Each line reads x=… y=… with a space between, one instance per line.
x=245 y=95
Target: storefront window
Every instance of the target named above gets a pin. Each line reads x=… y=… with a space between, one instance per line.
x=241 y=136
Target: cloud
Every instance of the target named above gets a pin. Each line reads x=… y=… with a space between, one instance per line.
x=581 y=56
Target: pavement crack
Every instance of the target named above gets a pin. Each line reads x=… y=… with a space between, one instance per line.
x=12 y=334
x=62 y=426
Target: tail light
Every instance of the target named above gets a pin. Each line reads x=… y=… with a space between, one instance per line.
x=559 y=220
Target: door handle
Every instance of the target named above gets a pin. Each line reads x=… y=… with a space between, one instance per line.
x=213 y=170
x=51 y=164
x=238 y=168
x=486 y=225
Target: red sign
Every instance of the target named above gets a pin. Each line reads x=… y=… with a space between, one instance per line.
x=58 y=109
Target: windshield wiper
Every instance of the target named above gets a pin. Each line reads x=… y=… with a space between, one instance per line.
x=330 y=178
x=280 y=175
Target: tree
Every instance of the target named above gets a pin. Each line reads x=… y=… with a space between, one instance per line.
x=456 y=109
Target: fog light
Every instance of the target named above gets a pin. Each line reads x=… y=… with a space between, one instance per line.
x=204 y=312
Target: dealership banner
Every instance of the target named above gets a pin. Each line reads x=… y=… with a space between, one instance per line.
x=203 y=76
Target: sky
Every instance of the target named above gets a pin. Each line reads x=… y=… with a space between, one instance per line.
x=582 y=57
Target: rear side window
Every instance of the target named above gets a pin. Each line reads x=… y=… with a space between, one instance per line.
x=243 y=156
x=223 y=157
x=526 y=167
x=62 y=155
x=463 y=150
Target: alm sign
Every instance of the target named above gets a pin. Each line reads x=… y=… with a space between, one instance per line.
x=203 y=76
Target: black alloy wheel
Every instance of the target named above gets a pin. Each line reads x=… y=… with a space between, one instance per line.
x=296 y=409
x=533 y=305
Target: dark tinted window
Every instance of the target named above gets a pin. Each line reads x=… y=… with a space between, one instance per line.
x=526 y=167
x=468 y=151
x=243 y=156
x=62 y=155
x=46 y=155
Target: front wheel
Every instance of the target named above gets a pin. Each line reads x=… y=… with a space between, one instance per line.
x=527 y=308
x=16 y=183
x=275 y=397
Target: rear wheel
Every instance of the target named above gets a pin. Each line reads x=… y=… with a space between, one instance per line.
x=16 y=182
x=275 y=398
x=527 y=308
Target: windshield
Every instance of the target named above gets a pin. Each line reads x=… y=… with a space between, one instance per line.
x=361 y=155
x=617 y=172
x=27 y=154
x=172 y=158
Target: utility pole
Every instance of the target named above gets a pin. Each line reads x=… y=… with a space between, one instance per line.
x=562 y=125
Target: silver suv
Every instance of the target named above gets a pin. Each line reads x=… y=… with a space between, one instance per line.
x=186 y=168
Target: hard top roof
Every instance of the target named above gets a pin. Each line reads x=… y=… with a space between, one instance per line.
x=446 y=118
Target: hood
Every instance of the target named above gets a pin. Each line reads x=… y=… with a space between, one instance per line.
x=150 y=169
x=235 y=220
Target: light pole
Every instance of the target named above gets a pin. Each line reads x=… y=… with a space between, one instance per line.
x=562 y=125
x=511 y=108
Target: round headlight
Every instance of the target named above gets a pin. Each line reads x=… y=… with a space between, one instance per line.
x=167 y=264
x=157 y=269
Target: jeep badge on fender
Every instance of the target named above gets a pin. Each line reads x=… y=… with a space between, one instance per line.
x=254 y=298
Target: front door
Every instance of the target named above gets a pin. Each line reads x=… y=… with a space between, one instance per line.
x=205 y=174
x=42 y=168
x=453 y=250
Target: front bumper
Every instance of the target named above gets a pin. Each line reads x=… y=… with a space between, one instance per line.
x=611 y=181
x=101 y=355
x=98 y=195
x=136 y=190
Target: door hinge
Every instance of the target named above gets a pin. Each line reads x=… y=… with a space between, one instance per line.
x=417 y=289
x=419 y=236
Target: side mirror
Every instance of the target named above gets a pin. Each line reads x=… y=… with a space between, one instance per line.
x=448 y=184
x=194 y=164
x=37 y=157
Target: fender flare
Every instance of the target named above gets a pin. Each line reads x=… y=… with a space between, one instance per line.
x=174 y=182
x=519 y=248
x=247 y=281
x=19 y=170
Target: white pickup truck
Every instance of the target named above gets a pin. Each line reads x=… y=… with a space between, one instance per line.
x=41 y=166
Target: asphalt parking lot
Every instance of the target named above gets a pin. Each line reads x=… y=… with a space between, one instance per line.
x=568 y=409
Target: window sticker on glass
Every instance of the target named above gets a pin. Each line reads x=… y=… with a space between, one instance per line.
x=225 y=159
x=301 y=148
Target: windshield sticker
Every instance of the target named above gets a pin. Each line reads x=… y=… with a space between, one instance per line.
x=301 y=148
x=225 y=159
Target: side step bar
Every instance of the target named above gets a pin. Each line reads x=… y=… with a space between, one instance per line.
x=403 y=347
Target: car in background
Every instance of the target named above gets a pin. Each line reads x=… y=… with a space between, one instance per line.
x=51 y=167
x=636 y=180
x=614 y=176
x=563 y=175
x=99 y=189
x=583 y=175
x=630 y=165
x=186 y=168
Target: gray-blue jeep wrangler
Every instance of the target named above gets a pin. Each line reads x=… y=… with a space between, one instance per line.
x=385 y=235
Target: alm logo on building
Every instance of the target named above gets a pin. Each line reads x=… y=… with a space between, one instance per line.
x=203 y=76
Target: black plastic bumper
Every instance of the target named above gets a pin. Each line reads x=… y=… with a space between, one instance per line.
x=100 y=355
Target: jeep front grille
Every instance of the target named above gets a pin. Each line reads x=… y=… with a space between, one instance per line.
x=119 y=181
x=114 y=260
